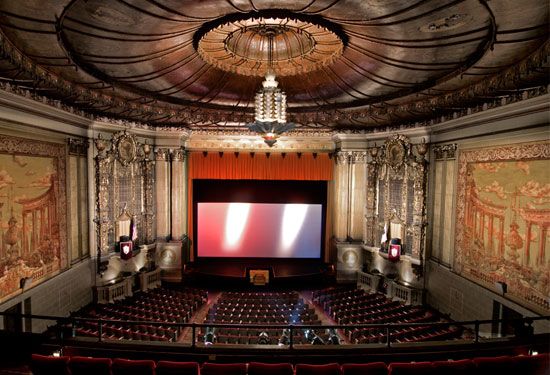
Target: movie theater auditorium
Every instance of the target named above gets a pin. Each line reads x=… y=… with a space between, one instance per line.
x=274 y=187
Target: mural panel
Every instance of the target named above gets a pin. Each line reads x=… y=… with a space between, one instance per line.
x=32 y=213
x=503 y=215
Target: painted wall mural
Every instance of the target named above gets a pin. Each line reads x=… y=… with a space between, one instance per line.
x=32 y=212
x=503 y=215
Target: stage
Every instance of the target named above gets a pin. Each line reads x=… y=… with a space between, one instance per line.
x=283 y=272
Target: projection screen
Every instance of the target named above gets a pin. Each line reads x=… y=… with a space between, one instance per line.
x=259 y=230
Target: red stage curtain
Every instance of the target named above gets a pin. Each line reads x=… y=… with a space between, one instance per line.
x=254 y=166
x=260 y=166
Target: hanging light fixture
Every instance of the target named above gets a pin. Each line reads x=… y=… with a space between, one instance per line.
x=270 y=101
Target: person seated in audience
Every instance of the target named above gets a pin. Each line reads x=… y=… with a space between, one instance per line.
x=285 y=339
x=263 y=338
x=209 y=337
x=317 y=341
x=333 y=338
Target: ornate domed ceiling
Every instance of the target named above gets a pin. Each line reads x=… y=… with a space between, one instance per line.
x=353 y=64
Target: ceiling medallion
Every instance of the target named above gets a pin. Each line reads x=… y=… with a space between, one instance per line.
x=240 y=43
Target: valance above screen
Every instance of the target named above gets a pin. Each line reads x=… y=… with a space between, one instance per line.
x=260 y=166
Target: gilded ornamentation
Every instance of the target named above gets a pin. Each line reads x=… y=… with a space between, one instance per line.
x=396 y=191
x=124 y=181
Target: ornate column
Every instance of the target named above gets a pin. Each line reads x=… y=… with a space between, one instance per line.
x=341 y=195
x=148 y=198
x=370 y=209
x=179 y=194
x=358 y=191
x=162 y=177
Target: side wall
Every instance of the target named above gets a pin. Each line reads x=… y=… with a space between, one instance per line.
x=63 y=294
x=447 y=291
x=71 y=287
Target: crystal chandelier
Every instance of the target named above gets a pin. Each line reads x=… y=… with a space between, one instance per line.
x=270 y=103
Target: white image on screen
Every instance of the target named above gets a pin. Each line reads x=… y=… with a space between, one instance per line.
x=235 y=223
x=293 y=220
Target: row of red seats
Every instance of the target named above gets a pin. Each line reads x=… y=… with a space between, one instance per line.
x=146 y=306
x=150 y=313
x=180 y=293
x=132 y=332
x=325 y=294
x=261 y=295
x=418 y=316
x=377 y=309
x=525 y=365
x=261 y=308
x=361 y=301
x=234 y=310
x=120 y=334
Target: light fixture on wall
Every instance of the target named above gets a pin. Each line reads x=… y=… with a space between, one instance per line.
x=270 y=102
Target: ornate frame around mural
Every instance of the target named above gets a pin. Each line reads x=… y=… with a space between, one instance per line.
x=119 y=161
x=506 y=153
x=397 y=160
x=28 y=147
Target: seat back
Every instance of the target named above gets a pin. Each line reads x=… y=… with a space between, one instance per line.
x=532 y=364
x=179 y=368
x=223 y=369
x=90 y=366
x=327 y=369
x=374 y=368
x=413 y=368
x=133 y=367
x=462 y=366
x=493 y=365
x=257 y=368
x=48 y=365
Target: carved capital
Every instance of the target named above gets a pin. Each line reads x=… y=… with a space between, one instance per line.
x=358 y=157
x=162 y=154
x=447 y=151
x=343 y=157
x=178 y=154
x=78 y=146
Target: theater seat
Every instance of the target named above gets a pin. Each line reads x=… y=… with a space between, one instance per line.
x=48 y=365
x=90 y=366
x=463 y=366
x=374 y=368
x=413 y=368
x=257 y=368
x=133 y=367
x=532 y=364
x=493 y=365
x=179 y=368
x=328 y=369
x=223 y=369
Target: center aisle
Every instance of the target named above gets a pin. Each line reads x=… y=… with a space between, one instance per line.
x=325 y=319
x=199 y=316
